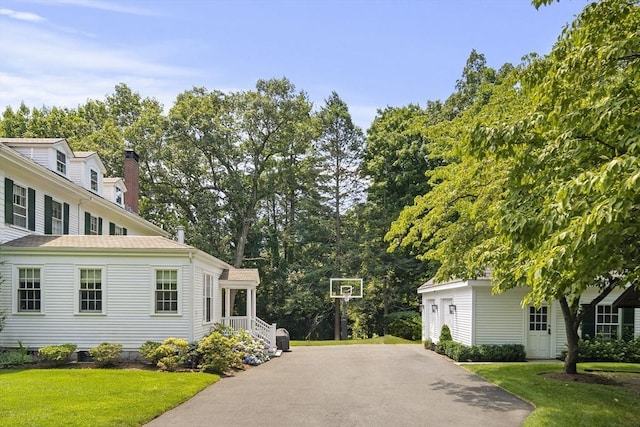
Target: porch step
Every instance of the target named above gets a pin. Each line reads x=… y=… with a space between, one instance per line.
x=273 y=352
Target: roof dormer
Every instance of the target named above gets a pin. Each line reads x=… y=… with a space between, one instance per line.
x=52 y=153
x=88 y=171
x=114 y=189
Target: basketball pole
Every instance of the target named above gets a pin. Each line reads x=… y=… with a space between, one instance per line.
x=343 y=322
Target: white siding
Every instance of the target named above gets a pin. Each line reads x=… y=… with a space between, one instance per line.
x=498 y=318
x=38 y=155
x=129 y=319
x=459 y=322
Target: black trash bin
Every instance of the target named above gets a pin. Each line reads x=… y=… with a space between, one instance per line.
x=282 y=339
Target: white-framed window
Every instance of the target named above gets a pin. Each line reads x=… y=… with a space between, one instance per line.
x=19 y=206
x=607 y=321
x=94 y=180
x=119 y=196
x=61 y=162
x=90 y=293
x=57 y=221
x=93 y=225
x=117 y=230
x=166 y=291
x=207 y=298
x=29 y=290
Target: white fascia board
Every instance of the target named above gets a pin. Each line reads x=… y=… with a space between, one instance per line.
x=444 y=287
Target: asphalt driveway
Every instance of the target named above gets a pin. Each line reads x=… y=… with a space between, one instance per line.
x=352 y=385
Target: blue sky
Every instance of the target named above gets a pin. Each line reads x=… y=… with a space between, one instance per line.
x=373 y=53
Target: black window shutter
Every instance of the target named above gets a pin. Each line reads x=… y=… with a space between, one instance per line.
x=112 y=228
x=31 y=202
x=124 y=231
x=589 y=323
x=628 y=321
x=87 y=223
x=48 y=214
x=65 y=221
x=8 y=201
x=99 y=225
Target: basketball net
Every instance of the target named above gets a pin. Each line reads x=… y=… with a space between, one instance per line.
x=346 y=296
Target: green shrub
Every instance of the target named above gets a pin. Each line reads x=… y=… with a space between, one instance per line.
x=56 y=354
x=11 y=358
x=219 y=353
x=429 y=345
x=445 y=338
x=482 y=353
x=445 y=333
x=171 y=353
x=148 y=352
x=599 y=349
x=105 y=354
x=404 y=324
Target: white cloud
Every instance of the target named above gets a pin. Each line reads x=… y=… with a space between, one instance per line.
x=22 y=16
x=41 y=67
x=100 y=5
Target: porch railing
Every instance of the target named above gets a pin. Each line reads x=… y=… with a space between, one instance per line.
x=255 y=326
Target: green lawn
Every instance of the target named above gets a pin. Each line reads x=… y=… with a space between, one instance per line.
x=566 y=403
x=387 y=339
x=93 y=397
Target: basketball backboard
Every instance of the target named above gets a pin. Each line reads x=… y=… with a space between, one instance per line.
x=345 y=288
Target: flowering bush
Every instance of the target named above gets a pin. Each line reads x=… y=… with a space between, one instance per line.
x=252 y=348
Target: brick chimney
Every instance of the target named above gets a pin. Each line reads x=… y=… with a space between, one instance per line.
x=131 y=181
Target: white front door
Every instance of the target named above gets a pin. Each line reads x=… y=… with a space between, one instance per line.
x=538 y=333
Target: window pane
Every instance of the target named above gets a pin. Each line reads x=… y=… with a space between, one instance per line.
x=29 y=289
x=91 y=290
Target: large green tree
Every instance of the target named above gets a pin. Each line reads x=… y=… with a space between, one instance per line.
x=542 y=180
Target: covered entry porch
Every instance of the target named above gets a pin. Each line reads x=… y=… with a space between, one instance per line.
x=239 y=289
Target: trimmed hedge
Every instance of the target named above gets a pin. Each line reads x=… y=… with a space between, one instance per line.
x=482 y=353
x=599 y=350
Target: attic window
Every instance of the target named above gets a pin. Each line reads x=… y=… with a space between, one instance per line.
x=119 y=196
x=61 y=162
x=94 y=180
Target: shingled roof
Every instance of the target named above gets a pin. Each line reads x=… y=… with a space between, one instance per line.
x=95 y=242
x=240 y=275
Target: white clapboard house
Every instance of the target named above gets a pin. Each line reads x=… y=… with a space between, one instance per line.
x=78 y=265
x=475 y=316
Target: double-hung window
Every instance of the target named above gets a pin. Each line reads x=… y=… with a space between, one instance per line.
x=90 y=297
x=61 y=162
x=94 y=180
x=607 y=321
x=166 y=292
x=29 y=290
x=56 y=218
x=119 y=196
x=19 y=206
x=207 y=298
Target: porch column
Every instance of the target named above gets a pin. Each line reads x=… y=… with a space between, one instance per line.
x=254 y=293
x=227 y=303
x=249 y=305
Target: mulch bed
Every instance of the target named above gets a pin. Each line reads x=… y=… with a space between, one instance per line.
x=628 y=380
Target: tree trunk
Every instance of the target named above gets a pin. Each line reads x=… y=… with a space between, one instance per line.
x=571 y=325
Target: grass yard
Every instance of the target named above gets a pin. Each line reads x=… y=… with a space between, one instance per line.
x=387 y=339
x=93 y=397
x=564 y=402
